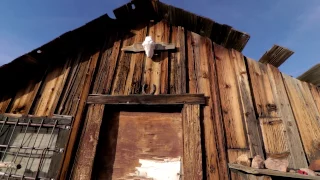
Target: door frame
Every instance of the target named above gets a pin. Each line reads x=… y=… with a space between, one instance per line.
x=190 y=110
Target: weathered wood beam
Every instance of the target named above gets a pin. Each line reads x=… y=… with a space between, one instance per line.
x=312 y=75
x=163 y=99
x=137 y=47
x=276 y=56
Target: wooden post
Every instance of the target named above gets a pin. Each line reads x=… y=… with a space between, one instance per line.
x=192 y=155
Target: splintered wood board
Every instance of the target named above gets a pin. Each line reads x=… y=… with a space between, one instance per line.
x=132 y=136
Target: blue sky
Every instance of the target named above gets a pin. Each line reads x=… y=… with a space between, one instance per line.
x=295 y=24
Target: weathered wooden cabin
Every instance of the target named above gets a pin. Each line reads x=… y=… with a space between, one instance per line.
x=79 y=107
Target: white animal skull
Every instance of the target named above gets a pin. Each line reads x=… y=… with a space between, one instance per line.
x=149 y=46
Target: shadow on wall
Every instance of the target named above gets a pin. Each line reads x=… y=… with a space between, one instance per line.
x=31 y=73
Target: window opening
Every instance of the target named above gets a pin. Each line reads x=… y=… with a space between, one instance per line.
x=32 y=147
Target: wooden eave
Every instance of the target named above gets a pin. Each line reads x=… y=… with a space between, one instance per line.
x=312 y=75
x=276 y=56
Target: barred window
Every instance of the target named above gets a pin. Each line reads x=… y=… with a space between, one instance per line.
x=32 y=147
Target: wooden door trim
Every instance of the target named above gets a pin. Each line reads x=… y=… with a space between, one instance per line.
x=163 y=99
x=192 y=153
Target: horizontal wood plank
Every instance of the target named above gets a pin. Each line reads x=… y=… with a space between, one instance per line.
x=147 y=99
x=269 y=172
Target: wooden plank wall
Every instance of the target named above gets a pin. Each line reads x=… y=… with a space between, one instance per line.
x=275 y=114
x=61 y=89
x=252 y=108
x=124 y=73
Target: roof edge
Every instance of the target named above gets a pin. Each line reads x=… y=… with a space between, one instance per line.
x=127 y=15
x=222 y=34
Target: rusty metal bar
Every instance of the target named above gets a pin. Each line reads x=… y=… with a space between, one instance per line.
x=4 y=154
x=34 y=125
x=27 y=154
x=23 y=177
x=4 y=122
x=5 y=151
x=44 y=152
x=33 y=146
x=16 y=155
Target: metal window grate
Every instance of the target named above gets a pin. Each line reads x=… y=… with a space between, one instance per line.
x=32 y=147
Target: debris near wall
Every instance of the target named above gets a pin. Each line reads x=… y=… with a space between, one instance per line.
x=315 y=165
x=277 y=164
x=272 y=167
x=257 y=162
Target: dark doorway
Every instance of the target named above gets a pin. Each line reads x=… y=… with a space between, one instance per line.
x=131 y=134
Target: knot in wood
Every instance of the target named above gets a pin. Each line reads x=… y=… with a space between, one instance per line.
x=271 y=107
x=212 y=169
x=218 y=58
x=205 y=75
x=243 y=72
x=144 y=86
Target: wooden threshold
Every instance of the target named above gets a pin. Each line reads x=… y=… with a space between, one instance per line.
x=163 y=99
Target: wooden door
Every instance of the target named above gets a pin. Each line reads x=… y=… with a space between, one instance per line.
x=139 y=143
